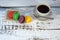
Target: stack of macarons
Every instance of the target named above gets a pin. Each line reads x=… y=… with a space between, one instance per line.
x=15 y=15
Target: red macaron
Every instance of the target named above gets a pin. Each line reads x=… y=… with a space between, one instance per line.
x=10 y=14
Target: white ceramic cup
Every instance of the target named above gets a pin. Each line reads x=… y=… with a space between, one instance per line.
x=41 y=15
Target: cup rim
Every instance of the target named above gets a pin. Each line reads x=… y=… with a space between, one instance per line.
x=40 y=13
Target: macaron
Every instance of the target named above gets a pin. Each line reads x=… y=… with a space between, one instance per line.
x=21 y=19
x=16 y=15
x=28 y=19
x=10 y=14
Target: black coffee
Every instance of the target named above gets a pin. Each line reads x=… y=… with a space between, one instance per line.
x=43 y=8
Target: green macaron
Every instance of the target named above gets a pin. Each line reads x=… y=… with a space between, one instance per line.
x=16 y=15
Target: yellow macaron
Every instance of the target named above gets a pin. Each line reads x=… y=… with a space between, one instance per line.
x=28 y=19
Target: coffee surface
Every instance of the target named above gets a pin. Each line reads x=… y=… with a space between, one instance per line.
x=43 y=8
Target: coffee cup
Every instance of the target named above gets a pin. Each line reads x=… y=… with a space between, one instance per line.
x=42 y=11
